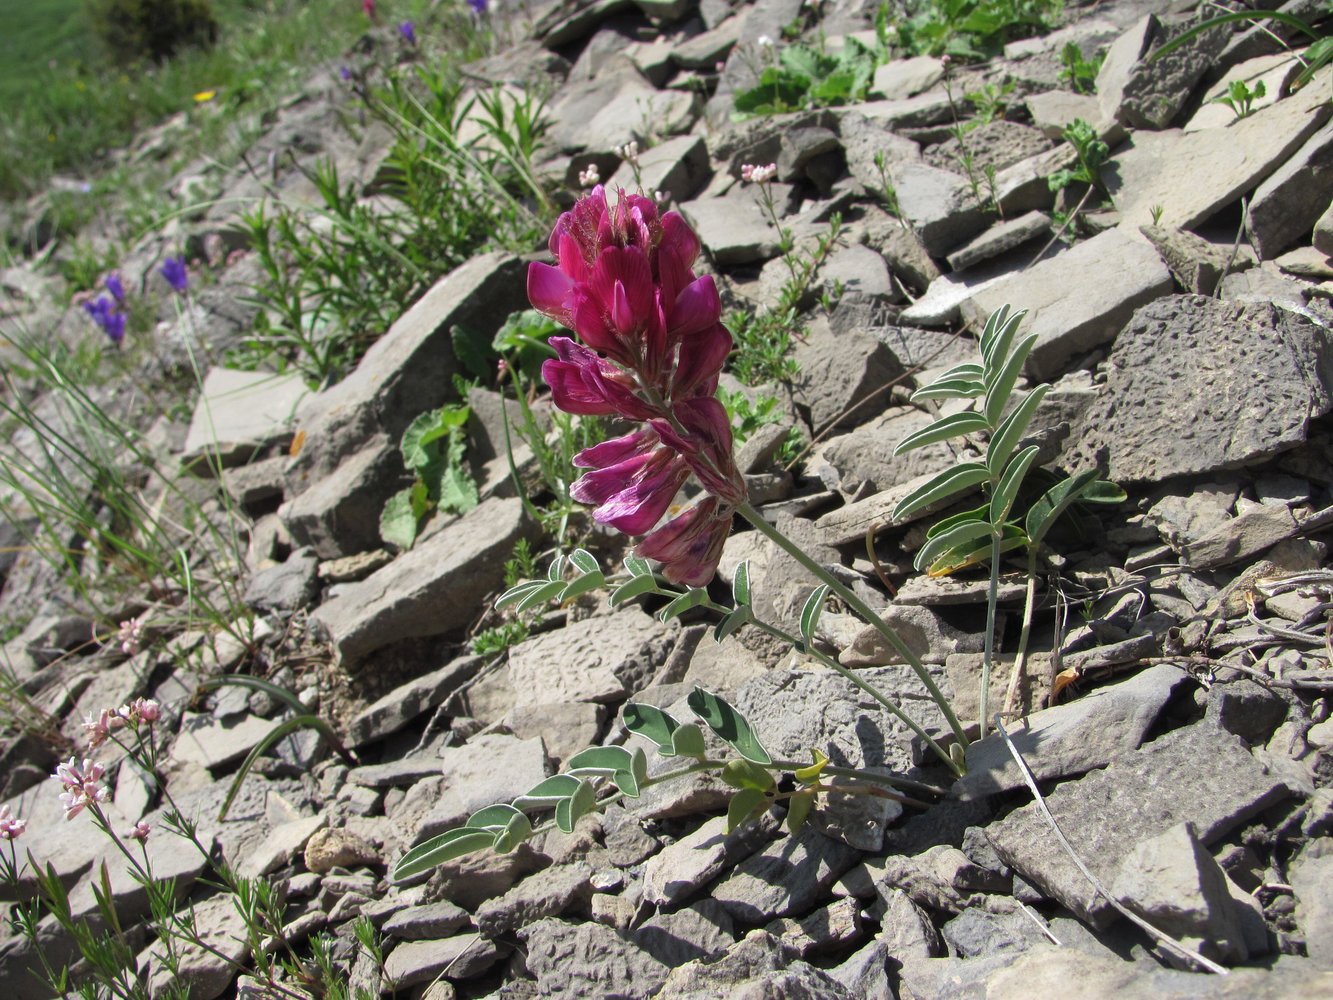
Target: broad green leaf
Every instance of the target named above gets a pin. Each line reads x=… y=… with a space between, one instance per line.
x=635 y=587
x=650 y=722
x=456 y=490
x=958 y=479
x=744 y=805
x=1000 y=382
x=556 y=571
x=976 y=552
x=420 y=434
x=1002 y=500
x=1011 y=429
x=954 y=388
x=582 y=584
x=728 y=724
x=437 y=850
x=548 y=793
x=1043 y=514
x=969 y=370
x=692 y=598
x=569 y=811
x=688 y=741
x=584 y=561
x=958 y=535
x=398 y=522
x=809 y=775
x=599 y=761
x=942 y=430
x=731 y=622
x=546 y=592
x=517 y=592
x=740 y=584
x=814 y=607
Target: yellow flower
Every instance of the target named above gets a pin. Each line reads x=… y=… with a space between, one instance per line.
x=205 y=95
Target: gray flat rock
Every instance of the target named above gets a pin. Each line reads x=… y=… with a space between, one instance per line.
x=572 y=961
x=1079 y=299
x=788 y=876
x=684 y=869
x=1198 y=385
x=1191 y=175
x=939 y=204
x=491 y=768
x=460 y=957
x=1001 y=238
x=215 y=743
x=1107 y=812
x=404 y=703
x=732 y=230
x=429 y=590
x=1069 y=740
x=555 y=891
x=238 y=415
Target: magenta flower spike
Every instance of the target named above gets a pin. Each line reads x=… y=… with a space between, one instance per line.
x=653 y=346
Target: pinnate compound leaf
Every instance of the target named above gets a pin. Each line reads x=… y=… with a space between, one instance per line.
x=952 y=481
x=958 y=535
x=1010 y=431
x=546 y=592
x=954 y=388
x=517 y=592
x=584 y=561
x=743 y=806
x=569 y=811
x=998 y=337
x=692 y=598
x=814 y=607
x=731 y=622
x=730 y=725
x=740 y=584
x=451 y=844
x=635 y=587
x=1002 y=500
x=688 y=741
x=1002 y=381
x=651 y=723
x=548 y=793
x=599 y=760
x=942 y=430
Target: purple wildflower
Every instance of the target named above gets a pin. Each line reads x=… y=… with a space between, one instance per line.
x=345 y=73
x=409 y=32
x=104 y=313
x=115 y=287
x=176 y=273
x=478 y=6
x=625 y=283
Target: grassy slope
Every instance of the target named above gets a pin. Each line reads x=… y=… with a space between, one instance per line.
x=33 y=34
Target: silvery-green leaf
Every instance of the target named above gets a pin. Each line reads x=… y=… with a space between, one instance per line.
x=740 y=584
x=1010 y=432
x=814 y=607
x=569 y=811
x=493 y=818
x=1000 y=382
x=638 y=566
x=437 y=850
x=599 y=761
x=942 y=430
x=517 y=592
x=692 y=598
x=731 y=622
x=954 y=388
x=546 y=592
x=582 y=584
x=1002 y=500
x=650 y=722
x=945 y=523
x=688 y=741
x=634 y=587
x=584 y=561
x=958 y=479
x=548 y=792
x=729 y=724
x=958 y=535
x=746 y=774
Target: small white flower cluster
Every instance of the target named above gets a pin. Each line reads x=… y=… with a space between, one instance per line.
x=629 y=152
x=130 y=636
x=753 y=174
x=589 y=176
x=82 y=785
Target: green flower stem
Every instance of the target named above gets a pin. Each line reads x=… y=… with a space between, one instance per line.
x=864 y=610
x=992 y=596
